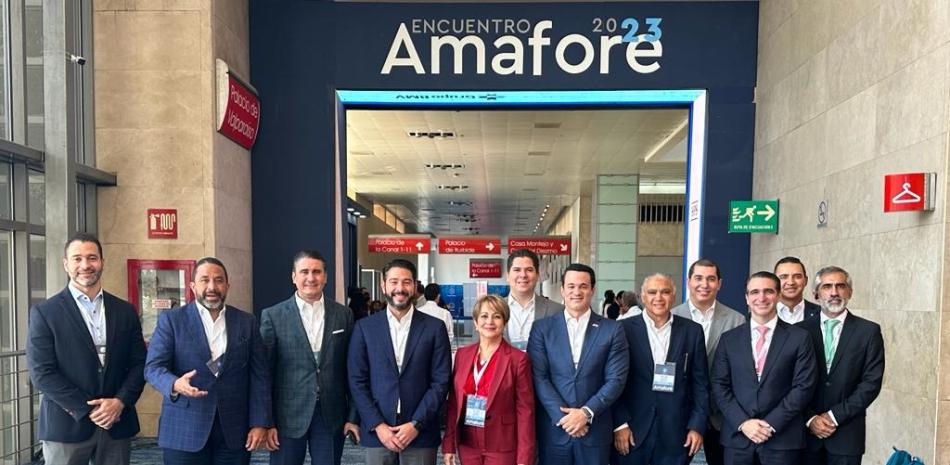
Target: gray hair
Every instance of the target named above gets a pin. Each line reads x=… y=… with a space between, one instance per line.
x=629 y=299
x=828 y=270
x=658 y=275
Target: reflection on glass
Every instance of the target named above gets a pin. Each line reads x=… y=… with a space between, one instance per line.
x=37 y=279
x=6 y=297
x=160 y=290
x=33 y=26
x=6 y=192
x=37 y=181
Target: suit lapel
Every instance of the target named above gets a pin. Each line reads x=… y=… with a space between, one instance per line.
x=642 y=340
x=775 y=348
x=748 y=358
x=382 y=329
x=234 y=335
x=846 y=332
x=109 y=306
x=198 y=331
x=295 y=322
x=562 y=339
x=71 y=309
x=415 y=331
x=715 y=331
x=676 y=341
x=502 y=365
x=590 y=337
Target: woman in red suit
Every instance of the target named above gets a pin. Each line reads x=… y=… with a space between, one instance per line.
x=491 y=400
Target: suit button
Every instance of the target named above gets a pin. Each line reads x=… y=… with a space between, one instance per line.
x=827 y=383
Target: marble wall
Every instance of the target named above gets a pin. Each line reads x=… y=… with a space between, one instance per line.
x=155 y=127
x=848 y=91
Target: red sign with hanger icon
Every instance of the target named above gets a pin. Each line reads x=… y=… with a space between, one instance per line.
x=908 y=192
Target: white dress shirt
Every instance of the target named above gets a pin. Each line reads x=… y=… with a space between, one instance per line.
x=704 y=319
x=522 y=318
x=771 y=324
x=216 y=331
x=791 y=315
x=94 y=314
x=659 y=337
x=433 y=309
x=313 y=318
x=576 y=331
x=399 y=334
x=836 y=336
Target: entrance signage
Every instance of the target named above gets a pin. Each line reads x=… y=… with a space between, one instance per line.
x=402 y=244
x=541 y=245
x=239 y=108
x=470 y=245
x=753 y=216
x=484 y=268
x=162 y=223
x=909 y=192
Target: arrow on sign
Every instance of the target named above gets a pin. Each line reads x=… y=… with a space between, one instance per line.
x=769 y=212
x=563 y=247
x=490 y=246
x=419 y=246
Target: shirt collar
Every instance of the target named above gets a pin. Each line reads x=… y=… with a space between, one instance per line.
x=77 y=294
x=799 y=307
x=205 y=313
x=771 y=324
x=583 y=319
x=405 y=319
x=841 y=317
x=512 y=302
x=301 y=302
x=651 y=323
x=693 y=309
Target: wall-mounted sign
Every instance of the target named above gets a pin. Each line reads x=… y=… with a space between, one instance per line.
x=484 y=268
x=470 y=245
x=753 y=216
x=162 y=223
x=239 y=108
x=909 y=192
x=541 y=245
x=401 y=244
x=823 y=214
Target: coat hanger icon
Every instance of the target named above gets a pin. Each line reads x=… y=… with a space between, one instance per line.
x=906 y=195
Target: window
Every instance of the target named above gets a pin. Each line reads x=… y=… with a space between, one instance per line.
x=33 y=44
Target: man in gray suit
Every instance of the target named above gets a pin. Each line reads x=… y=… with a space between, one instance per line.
x=704 y=282
x=526 y=305
x=306 y=337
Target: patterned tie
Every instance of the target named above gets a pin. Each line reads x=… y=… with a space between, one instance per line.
x=830 y=341
x=760 y=349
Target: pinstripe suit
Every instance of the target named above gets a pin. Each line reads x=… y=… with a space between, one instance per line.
x=239 y=396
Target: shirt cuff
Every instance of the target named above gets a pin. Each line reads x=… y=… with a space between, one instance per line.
x=621 y=427
x=833 y=419
x=590 y=413
x=808 y=423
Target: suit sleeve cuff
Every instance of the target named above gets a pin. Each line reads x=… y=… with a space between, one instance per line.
x=833 y=419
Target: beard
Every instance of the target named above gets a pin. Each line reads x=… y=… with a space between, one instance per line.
x=391 y=300
x=203 y=300
x=87 y=280
x=834 y=308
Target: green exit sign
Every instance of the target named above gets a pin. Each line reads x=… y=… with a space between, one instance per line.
x=753 y=216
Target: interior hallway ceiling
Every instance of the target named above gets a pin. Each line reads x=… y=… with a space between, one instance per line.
x=493 y=172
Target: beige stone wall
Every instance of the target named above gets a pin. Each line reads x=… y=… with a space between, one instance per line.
x=847 y=92
x=155 y=127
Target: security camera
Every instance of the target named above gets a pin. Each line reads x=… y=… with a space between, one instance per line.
x=79 y=60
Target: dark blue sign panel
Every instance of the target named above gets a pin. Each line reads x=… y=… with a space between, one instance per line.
x=302 y=51
x=499 y=289
x=452 y=296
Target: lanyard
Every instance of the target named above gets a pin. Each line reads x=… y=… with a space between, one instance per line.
x=476 y=373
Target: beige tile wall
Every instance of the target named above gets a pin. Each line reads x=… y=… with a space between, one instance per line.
x=849 y=90
x=155 y=127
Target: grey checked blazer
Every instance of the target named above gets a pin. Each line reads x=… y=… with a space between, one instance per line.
x=295 y=374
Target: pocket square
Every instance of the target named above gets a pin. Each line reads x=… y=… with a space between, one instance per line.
x=338 y=331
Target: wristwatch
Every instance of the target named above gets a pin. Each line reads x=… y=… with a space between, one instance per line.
x=417 y=425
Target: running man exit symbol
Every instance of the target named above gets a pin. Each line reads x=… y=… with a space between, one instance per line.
x=753 y=216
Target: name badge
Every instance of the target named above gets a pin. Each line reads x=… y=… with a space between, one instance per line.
x=475 y=410
x=215 y=365
x=664 y=377
x=101 y=352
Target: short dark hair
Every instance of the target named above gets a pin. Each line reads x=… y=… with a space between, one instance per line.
x=82 y=237
x=519 y=253
x=312 y=254
x=608 y=294
x=400 y=263
x=766 y=275
x=703 y=262
x=205 y=260
x=431 y=291
x=794 y=260
x=580 y=267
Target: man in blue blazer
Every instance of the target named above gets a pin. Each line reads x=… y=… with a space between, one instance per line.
x=306 y=338
x=580 y=361
x=763 y=380
x=208 y=362
x=661 y=417
x=792 y=306
x=86 y=353
x=399 y=367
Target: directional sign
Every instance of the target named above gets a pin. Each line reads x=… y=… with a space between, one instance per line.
x=541 y=245
x=753 y=216
x=484 y=268
x=470 y=245
x=402 y=244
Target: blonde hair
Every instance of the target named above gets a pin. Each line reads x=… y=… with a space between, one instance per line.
x=490 y=303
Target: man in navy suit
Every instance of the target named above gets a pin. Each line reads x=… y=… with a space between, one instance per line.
x=763 y=379
x=86 y=353
x=850 y=359
x=207 y=361
x=661 y=416
x=792 y=306
x=306 y=337
x=580 y=361
x=399 y=367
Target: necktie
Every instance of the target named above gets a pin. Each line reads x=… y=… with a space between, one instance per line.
x=760 y=350
x=830 y=341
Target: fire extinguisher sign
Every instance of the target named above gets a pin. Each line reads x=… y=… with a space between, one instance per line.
x=162 y=223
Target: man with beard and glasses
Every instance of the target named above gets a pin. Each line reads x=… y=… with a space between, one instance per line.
x=850 y=356
x=86 y=353
x=399 y=367
x=207 y=361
